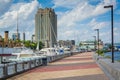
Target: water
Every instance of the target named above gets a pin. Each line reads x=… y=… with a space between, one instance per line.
x=116 y=55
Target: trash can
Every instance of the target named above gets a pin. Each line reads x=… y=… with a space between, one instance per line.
x=44 y=61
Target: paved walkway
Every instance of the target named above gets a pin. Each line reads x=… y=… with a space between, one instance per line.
x=77 y=67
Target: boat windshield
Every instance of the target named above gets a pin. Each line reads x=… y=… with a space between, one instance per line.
x=26 y=55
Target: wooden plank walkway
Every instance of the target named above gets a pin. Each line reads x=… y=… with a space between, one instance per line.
x=76 y=67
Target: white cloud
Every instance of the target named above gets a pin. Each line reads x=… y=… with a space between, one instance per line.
x=97 y=25
x=109 y=2
x=80 y=11
x=68 y=21
x=4 y=6
x=66 y=3
x=26 y=13
x=72 y=3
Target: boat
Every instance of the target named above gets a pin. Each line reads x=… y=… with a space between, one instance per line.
x=48 y=52
x=24 y=54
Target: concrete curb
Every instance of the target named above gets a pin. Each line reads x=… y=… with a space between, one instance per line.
x=112 y=70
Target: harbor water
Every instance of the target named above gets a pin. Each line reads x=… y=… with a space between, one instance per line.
x=116 y=55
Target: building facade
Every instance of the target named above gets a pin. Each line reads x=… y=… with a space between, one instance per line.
x=23 y=36
x=66 y=43
x=33 y=38
x=46 y=26
x=15 y=36
x=6 y=42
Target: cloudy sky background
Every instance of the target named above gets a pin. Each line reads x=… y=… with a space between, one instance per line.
x=77 y=19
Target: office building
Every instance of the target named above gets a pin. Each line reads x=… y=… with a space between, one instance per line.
x=16 y=36
x=46 y=27
x=66 y=43
x=23 y=36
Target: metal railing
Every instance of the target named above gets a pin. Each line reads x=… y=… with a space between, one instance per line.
x=13 y=68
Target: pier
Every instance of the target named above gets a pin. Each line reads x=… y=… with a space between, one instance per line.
x=75 y=66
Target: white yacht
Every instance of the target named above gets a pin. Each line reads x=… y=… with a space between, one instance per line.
x=23 y=53
x=50 y=51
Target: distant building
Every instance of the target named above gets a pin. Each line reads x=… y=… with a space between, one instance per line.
x=66 y=43
x=0 y=38
x=91 y=45
x=15 y=35
x=6 y=36
x=73 y=42
x=87 y=45
x=46 y=26
x=23 y=36
x=6 y=42
x=33 y=38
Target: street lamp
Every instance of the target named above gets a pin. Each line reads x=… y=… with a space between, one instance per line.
x=95 y=43
x=97 y=39
x=112 y=37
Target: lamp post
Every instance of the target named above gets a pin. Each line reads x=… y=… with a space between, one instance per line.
x=112 y=37
x=97 y=39
x=95 y=43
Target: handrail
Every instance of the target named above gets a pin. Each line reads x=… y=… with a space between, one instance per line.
x=13 y=68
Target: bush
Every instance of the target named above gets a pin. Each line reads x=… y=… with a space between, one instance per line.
x=100 y=52
x=108 y=57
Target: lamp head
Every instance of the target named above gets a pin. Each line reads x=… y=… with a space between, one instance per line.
x=96 y=29
x=109 y=6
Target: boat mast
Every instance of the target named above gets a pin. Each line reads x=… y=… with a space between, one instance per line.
x=17 y=27
x=51 y=26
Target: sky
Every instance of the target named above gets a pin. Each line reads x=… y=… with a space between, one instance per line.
x=76 y=19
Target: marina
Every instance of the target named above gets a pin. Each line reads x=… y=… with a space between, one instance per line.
x=13 y=68
x=75 y=67
x=59 y=40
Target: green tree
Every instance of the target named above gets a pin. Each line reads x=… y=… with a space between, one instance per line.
x=33 y=45
x=41 y=45
x=27 y=43
x=100 y=52
x=80 y=44
x=110 y=46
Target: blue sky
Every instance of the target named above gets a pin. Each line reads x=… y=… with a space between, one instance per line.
x=77 y=19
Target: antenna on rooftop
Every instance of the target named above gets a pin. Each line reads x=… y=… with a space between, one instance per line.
x=17 y=26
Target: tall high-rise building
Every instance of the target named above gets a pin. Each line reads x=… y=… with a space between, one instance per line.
x=23 y=36
x=46 y=26
x=16 y=36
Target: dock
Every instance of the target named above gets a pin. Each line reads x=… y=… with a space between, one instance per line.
x=76 y=67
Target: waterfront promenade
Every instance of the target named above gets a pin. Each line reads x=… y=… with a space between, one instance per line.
x=76 y=67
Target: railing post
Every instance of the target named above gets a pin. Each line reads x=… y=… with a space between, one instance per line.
x=30 y=64
x=23 y=65
x=5 y=71
x=44 y=61
x=16 y=67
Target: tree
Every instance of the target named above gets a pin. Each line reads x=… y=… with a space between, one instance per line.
x=27 y=43
x=33 y=45
x=41 y=45
x=110 y=46
x=80 y=44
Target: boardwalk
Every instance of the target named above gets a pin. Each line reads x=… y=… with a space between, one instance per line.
x=77 y=67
